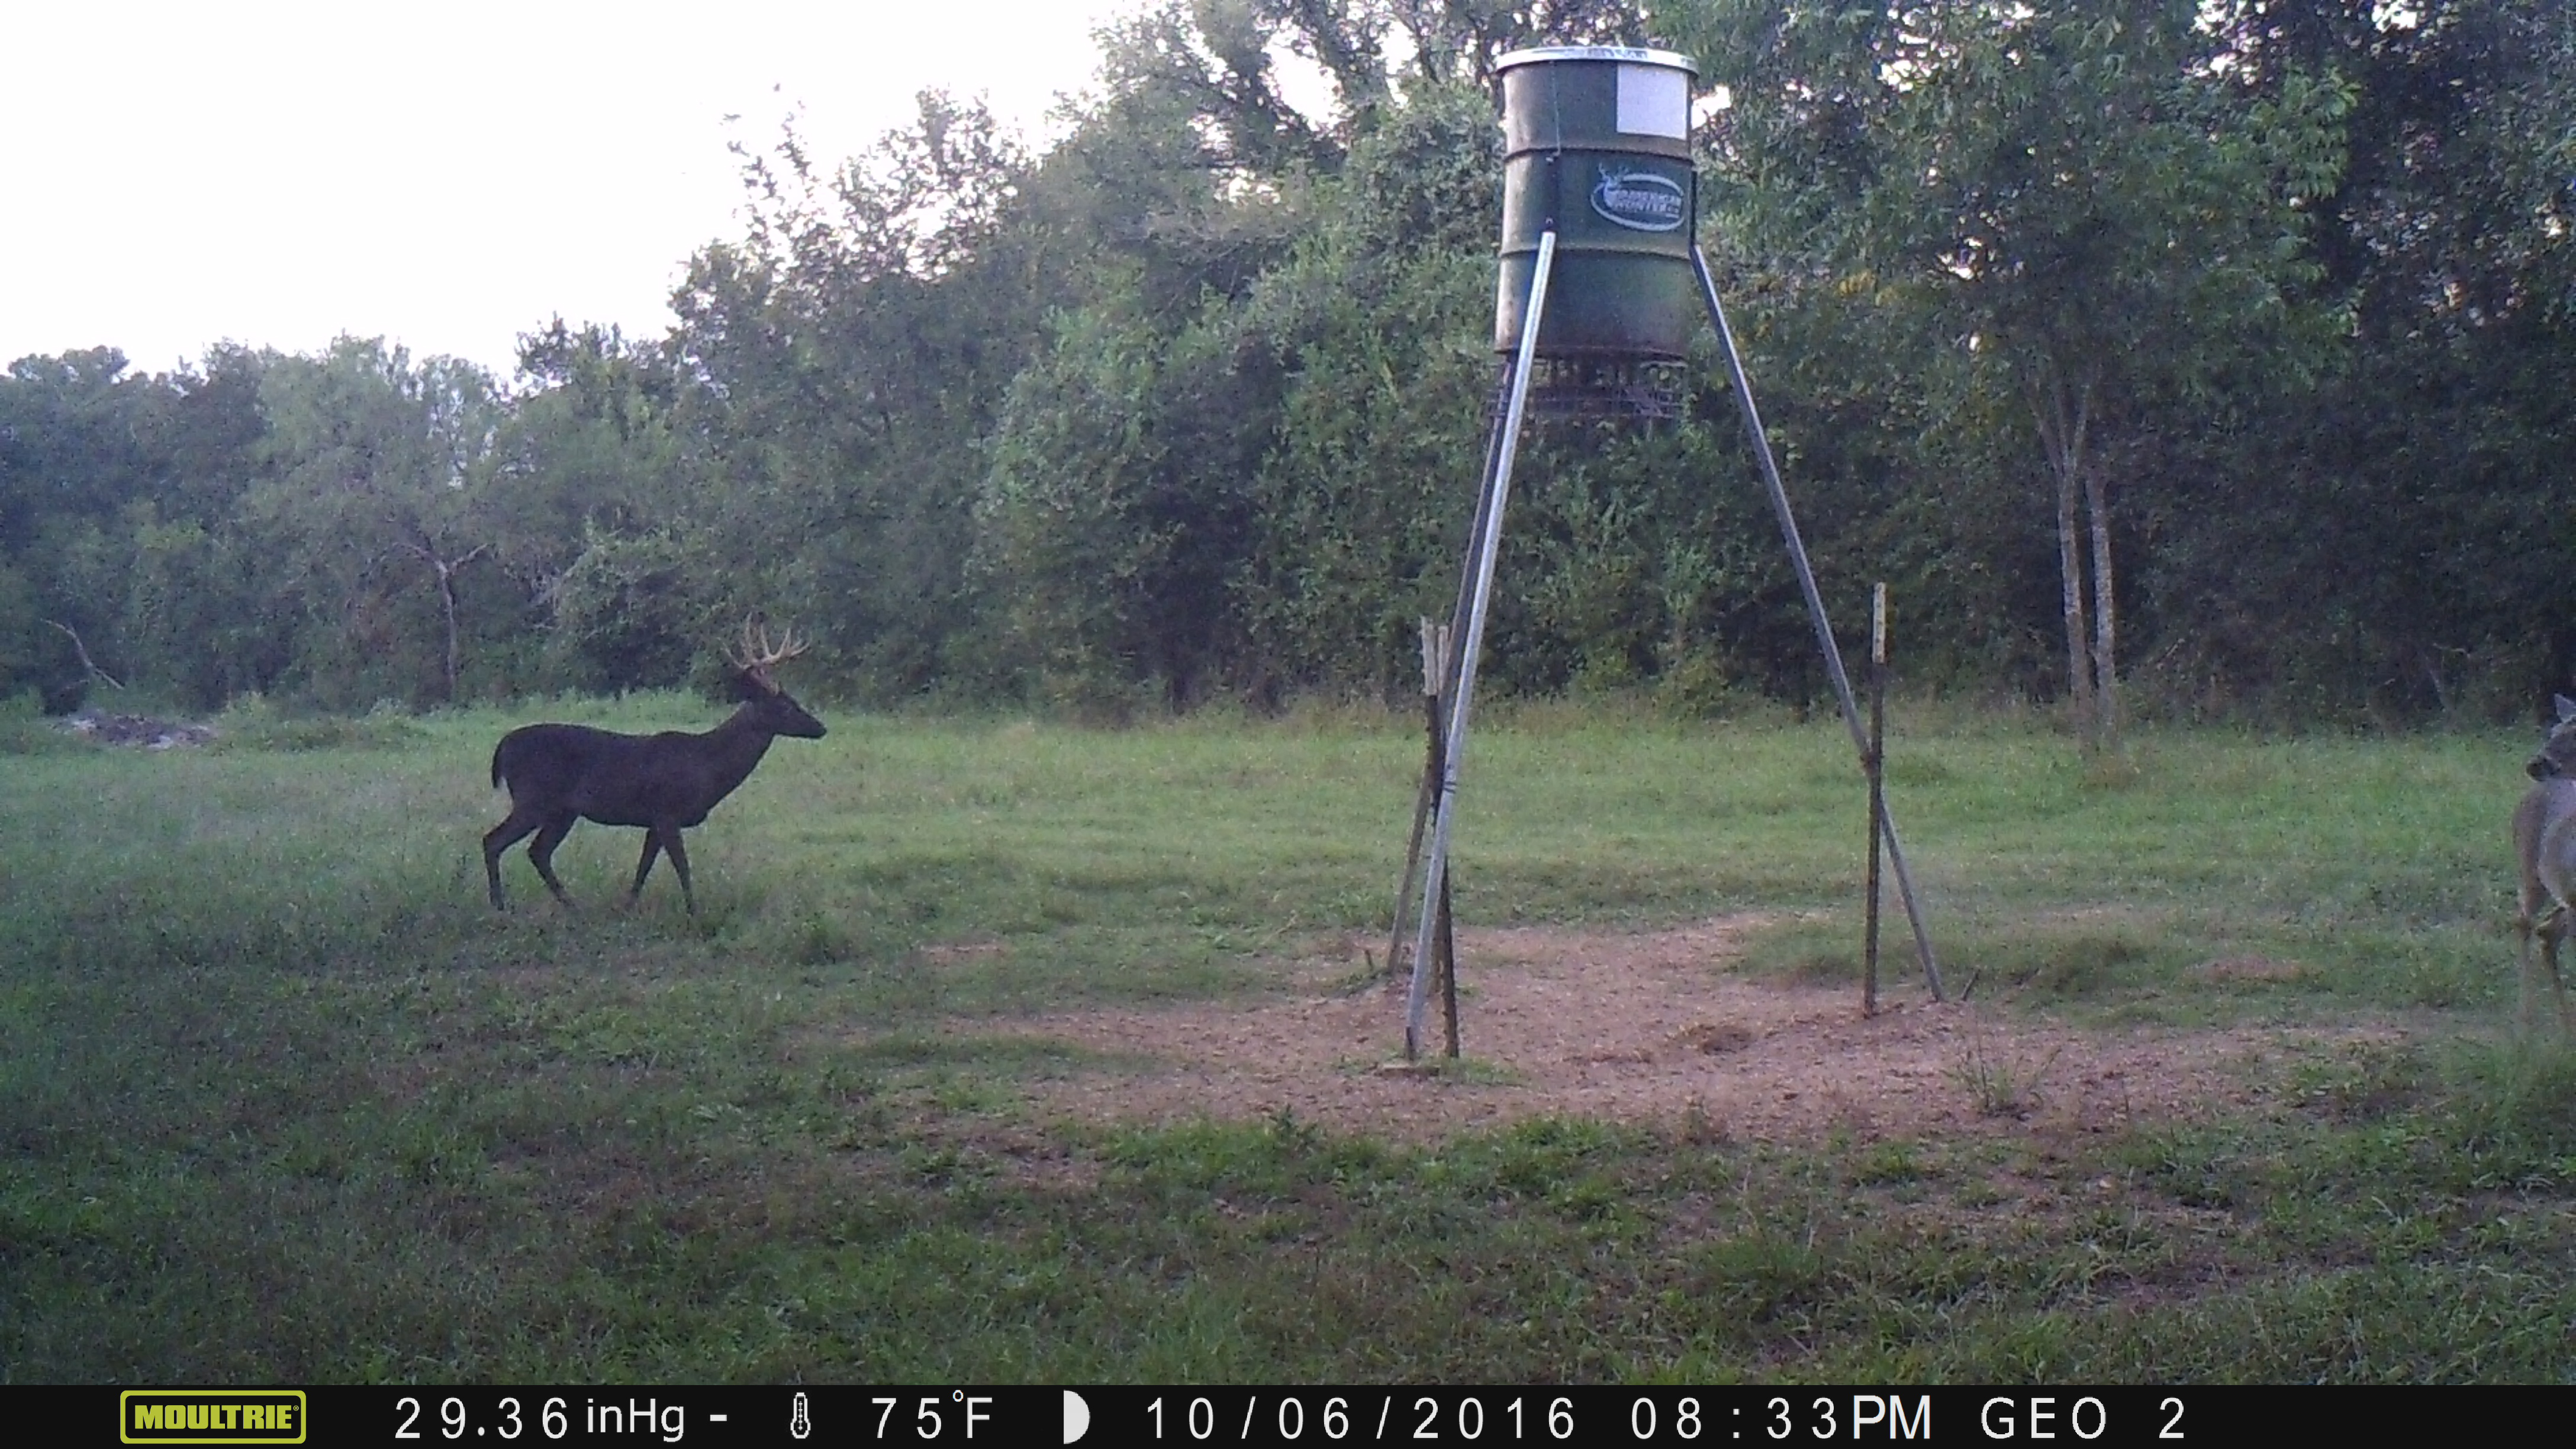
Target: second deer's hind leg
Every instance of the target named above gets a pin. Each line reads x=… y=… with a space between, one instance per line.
x=2532 y=925
x=2548 y=884
x=2552 y=930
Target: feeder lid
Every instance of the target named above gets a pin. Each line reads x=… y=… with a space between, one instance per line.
x=1622 y=54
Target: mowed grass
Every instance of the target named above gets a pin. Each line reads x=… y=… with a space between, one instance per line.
x=282 y=1099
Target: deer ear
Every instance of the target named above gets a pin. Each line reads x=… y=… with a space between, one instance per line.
x=2566 y=707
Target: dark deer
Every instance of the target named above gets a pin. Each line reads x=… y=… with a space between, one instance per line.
x=2544 y=836
x=560 y=773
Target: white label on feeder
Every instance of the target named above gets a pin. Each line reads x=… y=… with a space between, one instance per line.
x=1654 y=100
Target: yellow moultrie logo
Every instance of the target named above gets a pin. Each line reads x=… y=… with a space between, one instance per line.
x=211 y=1416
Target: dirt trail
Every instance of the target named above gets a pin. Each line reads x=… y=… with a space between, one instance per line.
x=1652 y=1028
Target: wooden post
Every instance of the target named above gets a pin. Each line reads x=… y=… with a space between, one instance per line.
x=1444 y=943
x=1435 y=765
x=1435 y=665
x=1444 y=930
x=1877 y=790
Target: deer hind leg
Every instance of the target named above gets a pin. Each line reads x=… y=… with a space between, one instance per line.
x=2549 y=880
x=541 y=852
x=2553 y=929
x=2531 y=924
x=669 y=836
x=498 y=839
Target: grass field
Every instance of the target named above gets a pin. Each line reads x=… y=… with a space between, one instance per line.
x=282 y=1099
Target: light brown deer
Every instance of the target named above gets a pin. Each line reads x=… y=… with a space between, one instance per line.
x=2544 y=837
x=560 y=774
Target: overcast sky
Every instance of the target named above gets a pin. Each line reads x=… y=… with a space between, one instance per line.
x=448 y=176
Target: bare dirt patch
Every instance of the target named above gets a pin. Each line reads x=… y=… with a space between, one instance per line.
x=135 y=731
x=958 y=951
x=1655 y=1028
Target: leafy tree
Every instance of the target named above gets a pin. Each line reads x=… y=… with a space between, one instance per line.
x=593 y=455
x=2244 y=325
x=2079 y=196
x=72 y=456
x=844 y=363
x=378 y=473
x=99 y=469
x=1373 y=336
x=2411 y=511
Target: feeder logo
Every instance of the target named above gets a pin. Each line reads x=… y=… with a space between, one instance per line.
x=1639 y=200
x=210 y=1416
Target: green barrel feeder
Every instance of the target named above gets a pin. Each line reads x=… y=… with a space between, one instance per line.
x=1597 y=143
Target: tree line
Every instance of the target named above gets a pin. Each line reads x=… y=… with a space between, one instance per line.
x=2198 y=358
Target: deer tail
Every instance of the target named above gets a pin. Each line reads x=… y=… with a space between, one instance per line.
x=496 y=763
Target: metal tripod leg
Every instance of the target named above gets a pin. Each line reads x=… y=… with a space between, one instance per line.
x=1815 y=601
x=1470 y=644
x=1448 y=667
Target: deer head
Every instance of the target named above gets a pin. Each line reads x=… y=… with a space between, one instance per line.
x=768 y=704
x=2558 y=752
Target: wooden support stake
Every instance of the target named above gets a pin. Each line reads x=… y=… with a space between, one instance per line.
x=1444 y=941
x=1877 y=790
x=1435 y=666
x=1435 y=764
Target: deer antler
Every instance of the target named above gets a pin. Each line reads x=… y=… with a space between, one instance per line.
x=759 y=653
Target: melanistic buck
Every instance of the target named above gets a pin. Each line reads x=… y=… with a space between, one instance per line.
x=2544 y=836
x=662 y=784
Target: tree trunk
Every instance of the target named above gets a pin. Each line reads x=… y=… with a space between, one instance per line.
x=447 y=599
x=446 y=569
x=2061 y=433
x=2106 y=691
x=2070 y=573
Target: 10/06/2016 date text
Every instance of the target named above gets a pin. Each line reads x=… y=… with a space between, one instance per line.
x=1657 y=1416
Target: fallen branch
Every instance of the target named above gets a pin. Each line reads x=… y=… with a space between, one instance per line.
x=83 y=651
